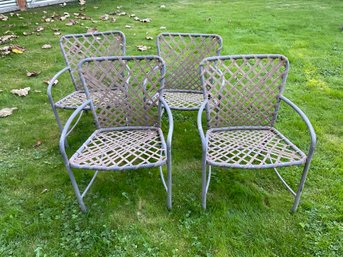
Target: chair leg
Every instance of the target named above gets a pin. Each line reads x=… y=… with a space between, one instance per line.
x=301 y=186
x=169 y=180
x=76 y=189
x=204 y=181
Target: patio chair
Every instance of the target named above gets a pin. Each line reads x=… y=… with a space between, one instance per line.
x=243 y=95
x=76 y=47
x=183 y=53
x=128 y=131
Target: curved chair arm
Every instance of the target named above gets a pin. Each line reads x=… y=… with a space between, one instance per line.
x=51 y=83
x=307 y=122
x=170 y=120
x=201 y=131
x=65 y=131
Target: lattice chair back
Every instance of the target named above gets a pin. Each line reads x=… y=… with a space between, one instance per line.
x=76 y=47
x=243 y=90
x=183 y=54
x=126 y=89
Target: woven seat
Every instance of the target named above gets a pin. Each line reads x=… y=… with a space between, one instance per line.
x=183 y=53
x=258 y=148
x=128 y=131
x=121 y=149
x=76 y=47
x=243 y=95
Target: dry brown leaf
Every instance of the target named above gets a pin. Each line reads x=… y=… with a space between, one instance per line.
x=92 y=30
x=3 y=17
x=21 y=92
x=143 y=48
x=7 y=111
x=32 y=73
x=71 y=23
x=48 y=82
x=146 y=20
x=46 y=46
x=38 y=144
x=4 y=39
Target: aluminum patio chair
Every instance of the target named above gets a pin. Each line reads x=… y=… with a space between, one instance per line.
x=128 y=131
x=244 y=94
x=183 y=53
x=76 y=47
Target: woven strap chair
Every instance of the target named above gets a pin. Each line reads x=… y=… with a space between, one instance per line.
x=76 y=47
x=183 y=53
x=128 y=131
x=243 y=95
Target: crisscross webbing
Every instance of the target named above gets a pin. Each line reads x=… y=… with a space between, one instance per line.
x=251 y=149
x=183 y=54
x=134 y=81
x=183 y=100
x=116 y=149
x=79 y=46
x=244 y=90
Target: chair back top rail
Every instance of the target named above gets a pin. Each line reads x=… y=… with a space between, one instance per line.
x=76 y=47
x=243 y=90
x=183 y=53
x=124 y=89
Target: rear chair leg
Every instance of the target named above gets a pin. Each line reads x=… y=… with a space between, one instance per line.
x=204 y=181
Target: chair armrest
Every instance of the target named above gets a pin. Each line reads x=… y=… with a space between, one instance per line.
x=170 y=120
x=307 y=122
x=201 y=131
x=51 y=83
x=65 y=131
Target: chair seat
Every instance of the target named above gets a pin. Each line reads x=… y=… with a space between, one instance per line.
x=75 y=99
x=251 y=148
x=183 y=100
x=109 y=149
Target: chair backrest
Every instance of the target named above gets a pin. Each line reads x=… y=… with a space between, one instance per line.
x=243 y=90
x=125 y=88
x=76 y=47
x=183 y=53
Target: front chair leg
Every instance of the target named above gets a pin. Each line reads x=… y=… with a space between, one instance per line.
x=77 y=190
x=169 y=180
x=204 y=181
x=301 y=186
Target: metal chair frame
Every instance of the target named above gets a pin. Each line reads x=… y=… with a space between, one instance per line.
x=73 y=100
x=102 y=127
x=183 y=90
x=205 y=138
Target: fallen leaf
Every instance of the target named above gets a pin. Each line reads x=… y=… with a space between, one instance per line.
x=66 y=14
x=162 y=27
x=4 y=39
x=132 y=15
x=21 y=92
x=39 y=29
x=92 y=30
x=47 y=19
x=146 y=20
x=113 y=19
x=6 y=50
x=44 y=190
x=128 y=26
x=62 y=18
x=32 y=73
x=7 y=111
x=45 y=12
x=38 y=91
x=17 y=49
x=56 y=29
x=3 y=17
x=57 y=33
x=149 y=38
x=136 y=18
x=46 y=46
x=104 y=17
x=71 y=23
x=143 y=48
x=162 y=6
x=38 y=144
x=27 y=33
x=1 y=90
x=121 y=13
x=48 y=82
x=82 y=2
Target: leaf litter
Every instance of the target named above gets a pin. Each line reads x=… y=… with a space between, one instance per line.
x=21 y=92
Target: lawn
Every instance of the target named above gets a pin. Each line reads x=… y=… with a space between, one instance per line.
x=248 y=212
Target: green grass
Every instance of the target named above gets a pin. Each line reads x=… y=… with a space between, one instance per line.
x=248 y=211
